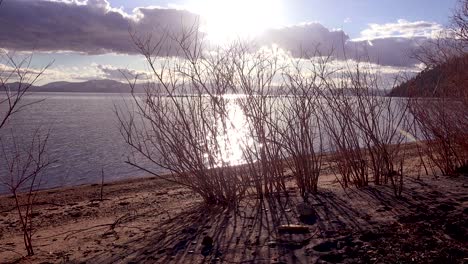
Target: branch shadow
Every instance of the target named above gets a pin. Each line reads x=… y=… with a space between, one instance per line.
x=247 y=233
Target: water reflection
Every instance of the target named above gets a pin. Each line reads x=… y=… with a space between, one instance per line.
x=232 y=135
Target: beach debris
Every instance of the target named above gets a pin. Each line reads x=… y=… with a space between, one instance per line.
x=271 y=243
x=293 y=229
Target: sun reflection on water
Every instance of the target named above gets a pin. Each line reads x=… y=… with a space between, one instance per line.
x=232 y=135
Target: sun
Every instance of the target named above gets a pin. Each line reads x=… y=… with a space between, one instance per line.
x=225 y=20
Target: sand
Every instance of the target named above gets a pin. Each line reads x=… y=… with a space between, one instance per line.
x=150 y=221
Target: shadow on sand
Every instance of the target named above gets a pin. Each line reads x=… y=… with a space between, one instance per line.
x=353 y=225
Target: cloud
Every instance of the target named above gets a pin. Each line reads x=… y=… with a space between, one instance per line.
x=305 y=39
x=395 y=44
x=392 y=51
x=393 y=48
x=95 y=27
x=111 y=72
x=91 y=26
x=75 y=74
x=402 y=29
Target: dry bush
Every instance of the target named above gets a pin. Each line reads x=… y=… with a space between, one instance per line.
x=22 y=160
x=255 y=75
x=443 y=125
x=16 y=79
x=344 y=136
x=24 y=164
x=301 y=129
x=182 y=122
x=442 y=121
x=460 y=20
x=380 y=120
x=364 y=127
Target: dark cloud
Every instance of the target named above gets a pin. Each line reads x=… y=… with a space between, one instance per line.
x=92 y=26
x=305 y=39
x=391 y=51
x=313 y=38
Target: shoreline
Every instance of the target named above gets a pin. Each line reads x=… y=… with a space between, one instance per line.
x=327 y=156
x=149 y=220
x=89 y=185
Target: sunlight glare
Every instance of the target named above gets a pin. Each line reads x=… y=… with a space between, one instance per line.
x=226 y=20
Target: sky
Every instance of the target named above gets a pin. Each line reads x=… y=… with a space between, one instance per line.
x=89 y=39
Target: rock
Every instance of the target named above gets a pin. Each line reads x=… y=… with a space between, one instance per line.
x=35 y=214
x=207 y=241
x=307 y=213
x=332 y=257
x=75 y=214
x=207 y=246
x=340 y=244
x=325 y=246
x=445 y=207
x=370 y=236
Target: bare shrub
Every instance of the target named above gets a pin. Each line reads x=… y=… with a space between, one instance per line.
x=460 y=20
x=181 y=123
x=441 y=121
x=255 y=78
x=343 y=135
x=301 y=129
x=443 y=126
x=364 y=127
x=22 y=161
x=16 y=79
x=381 y=120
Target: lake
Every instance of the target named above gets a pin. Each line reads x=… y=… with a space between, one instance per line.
x=84 y=136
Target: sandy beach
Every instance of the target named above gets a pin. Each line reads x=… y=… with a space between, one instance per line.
x=151 y=221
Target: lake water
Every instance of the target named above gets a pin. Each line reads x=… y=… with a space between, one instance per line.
x=84 y=137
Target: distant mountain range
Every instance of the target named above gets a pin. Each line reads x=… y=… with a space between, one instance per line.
x=93 y=86
x=111 y=86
